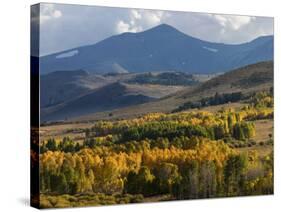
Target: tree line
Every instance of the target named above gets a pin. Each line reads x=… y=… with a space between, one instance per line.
x=184 y=155
x=209 y=169
x=217 y=99
x=263 y=99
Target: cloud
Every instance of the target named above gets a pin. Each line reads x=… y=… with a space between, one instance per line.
x=122 y=26
x=234 y=22
x=136 y=14
x=67 y=26
x=220 y=28
x=48 y=12
x=139 y=20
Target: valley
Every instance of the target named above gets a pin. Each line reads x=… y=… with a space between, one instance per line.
x=167 y=117
x=89 y=91
x=183 y=145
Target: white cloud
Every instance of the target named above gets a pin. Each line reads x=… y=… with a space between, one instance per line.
x=234 y=22
x=48 y=12
x=152 y=18
x=135 y=14
x=139 y=20
x=122 y=27
x=68 y=26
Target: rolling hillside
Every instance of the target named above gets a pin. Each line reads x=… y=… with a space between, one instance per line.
x=109 y=97
x=246 y=79
x=61 y=88
x=249 y=79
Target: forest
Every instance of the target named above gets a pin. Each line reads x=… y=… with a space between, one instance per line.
x=165 y=78
x=161 y=156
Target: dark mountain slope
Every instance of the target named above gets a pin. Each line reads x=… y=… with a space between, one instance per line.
x=162 y=48
x=109 y=97
x=60 y=86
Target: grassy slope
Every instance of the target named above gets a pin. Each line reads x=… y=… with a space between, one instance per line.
x=224 y=83
x=248 y=79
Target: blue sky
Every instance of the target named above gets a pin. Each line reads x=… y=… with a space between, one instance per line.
x=64 y=26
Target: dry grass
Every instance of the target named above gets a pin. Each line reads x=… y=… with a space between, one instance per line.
x=261 y=150
x=58 y=131
x=263 y=129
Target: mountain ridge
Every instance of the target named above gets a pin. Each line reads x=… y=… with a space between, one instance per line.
x=161 y=48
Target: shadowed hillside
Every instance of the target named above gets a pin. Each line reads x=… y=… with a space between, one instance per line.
x=109 y=97
x=249 y=79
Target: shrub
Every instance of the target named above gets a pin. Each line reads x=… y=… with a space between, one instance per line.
x=45 y=203
x=137 y=198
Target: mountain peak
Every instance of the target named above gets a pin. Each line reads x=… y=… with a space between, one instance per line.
x=162 y=47
x=163 y=28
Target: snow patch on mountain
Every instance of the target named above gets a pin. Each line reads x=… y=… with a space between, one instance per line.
x=210 y=49
x=67 y=54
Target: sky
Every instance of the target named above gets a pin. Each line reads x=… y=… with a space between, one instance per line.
x=64 y=26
